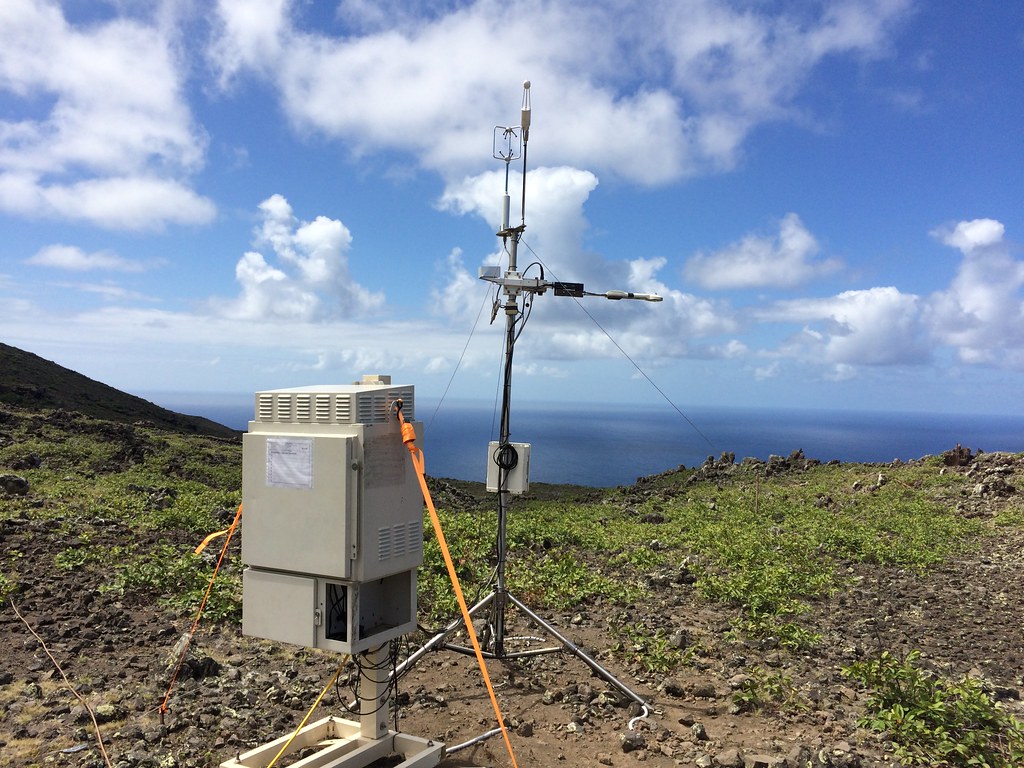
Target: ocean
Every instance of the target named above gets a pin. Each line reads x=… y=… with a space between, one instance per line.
x=605 y=445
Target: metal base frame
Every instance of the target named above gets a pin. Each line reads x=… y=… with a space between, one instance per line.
x=348 y=743
x=339 y=743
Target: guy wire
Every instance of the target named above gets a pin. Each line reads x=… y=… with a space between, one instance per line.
x=625 y=354
x=462 y=356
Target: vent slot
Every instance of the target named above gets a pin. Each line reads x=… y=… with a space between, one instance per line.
x=386 y=544
x=322 y=408
x=264 y=407
x=414 y=536
x=331 y=407
x=399 y=540
x=343 y=409
x=373 y=408
x=284 y=408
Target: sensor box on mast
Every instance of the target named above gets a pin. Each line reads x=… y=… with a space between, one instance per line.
x=332 y=523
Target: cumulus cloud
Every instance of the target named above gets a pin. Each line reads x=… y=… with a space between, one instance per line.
x=555 y=201
x=461 y=292
x=971 y=236
x=309 y=278
x=875 y=326
x=113 y=141
x=979 y=317
x=74 y=259
x=981 y=314
x=421 y=80
x=784 y=260
x=592 y=328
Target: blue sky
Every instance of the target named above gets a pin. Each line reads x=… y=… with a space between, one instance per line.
x=237 y=195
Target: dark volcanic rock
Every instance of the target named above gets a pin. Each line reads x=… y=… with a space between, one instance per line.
x=13 y=485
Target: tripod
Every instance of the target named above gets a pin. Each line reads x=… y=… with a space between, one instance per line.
x=500 y=598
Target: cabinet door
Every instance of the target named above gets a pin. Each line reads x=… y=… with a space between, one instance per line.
x=277 y=606
x=299 y=497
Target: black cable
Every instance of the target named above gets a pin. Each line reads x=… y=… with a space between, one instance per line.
x=393 y=655
x=506 y=457
x=388 y=663
x=524 y=314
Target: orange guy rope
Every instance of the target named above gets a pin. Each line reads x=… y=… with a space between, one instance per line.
x=209 y=587
x=206 y=542
x=74 y=691
x=409 y=438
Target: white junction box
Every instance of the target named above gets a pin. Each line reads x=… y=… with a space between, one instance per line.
x=517 y=477
x=332 y=523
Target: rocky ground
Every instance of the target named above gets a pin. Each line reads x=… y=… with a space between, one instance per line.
x=966 y=616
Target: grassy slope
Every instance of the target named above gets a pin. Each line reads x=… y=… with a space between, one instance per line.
x=762 y=547
x=29 y=381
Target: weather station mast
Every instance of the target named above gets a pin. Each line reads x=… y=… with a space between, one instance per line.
x=508 y=462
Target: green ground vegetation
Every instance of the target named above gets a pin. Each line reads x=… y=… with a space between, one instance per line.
x=131 y=502
x=935 y=721
x=763 y=546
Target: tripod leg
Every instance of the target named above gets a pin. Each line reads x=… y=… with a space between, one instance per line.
x=578 y=652
x=438 y=640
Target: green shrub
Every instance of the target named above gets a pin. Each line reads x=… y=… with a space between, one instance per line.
x=653 y=651
x=769 y=691
x=937 y=722
x=8 y=587
x=180 y=579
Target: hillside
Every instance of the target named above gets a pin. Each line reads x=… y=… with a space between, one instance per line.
x=773 y=613
x=29 y=381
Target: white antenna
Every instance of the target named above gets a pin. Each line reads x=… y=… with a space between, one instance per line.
x=525 y=113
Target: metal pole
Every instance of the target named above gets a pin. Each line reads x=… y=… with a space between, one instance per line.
x=511 y=312
x=514 y=287
x=373 y=694
x=440 y=640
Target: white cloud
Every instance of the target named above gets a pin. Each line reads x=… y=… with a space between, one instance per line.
x=876 y=326
x=979 y=317
x=114 y=141
x=72 y=258
x=556 y=199
x=250 y=36
x=733 y=349
x=841 y=372
x=460 y=297
x=127 y=202
x=981 y=314
x=421 y=80
x=311 y=279
x=254 y=352
x=970 y=236
x=110 y=292
x=785 y=260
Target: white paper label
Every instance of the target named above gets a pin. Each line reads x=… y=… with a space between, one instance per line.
x=290 y=462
